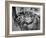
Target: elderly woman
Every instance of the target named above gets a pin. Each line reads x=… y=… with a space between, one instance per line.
x=31 y=21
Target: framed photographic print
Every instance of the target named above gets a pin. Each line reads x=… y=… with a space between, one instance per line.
x=24 y=18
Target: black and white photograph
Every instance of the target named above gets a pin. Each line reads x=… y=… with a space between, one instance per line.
x=25 y=18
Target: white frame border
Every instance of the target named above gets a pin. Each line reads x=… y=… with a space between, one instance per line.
x=24 y=32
